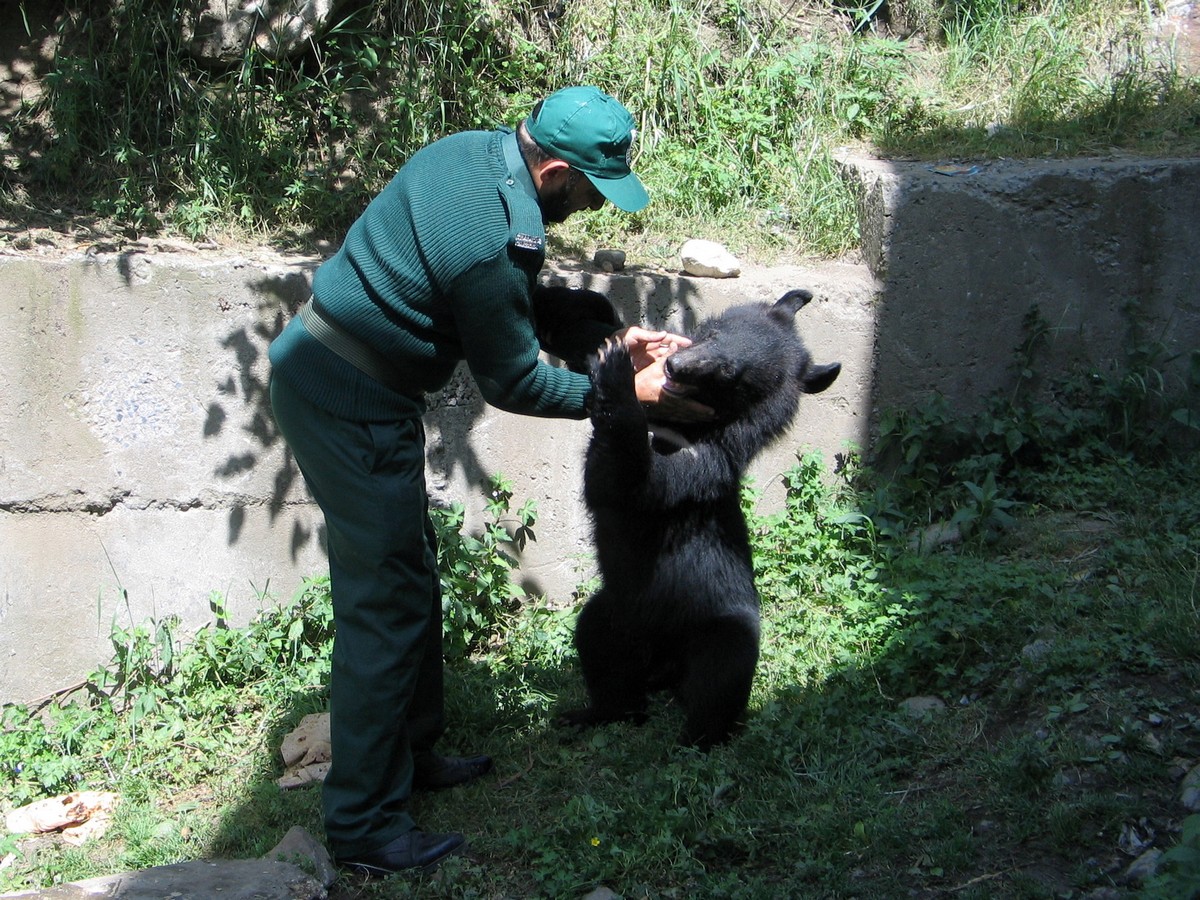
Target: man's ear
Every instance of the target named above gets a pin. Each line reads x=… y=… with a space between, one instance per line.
x=552 y=171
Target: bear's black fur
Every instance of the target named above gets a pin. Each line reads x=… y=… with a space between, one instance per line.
x=677 y=608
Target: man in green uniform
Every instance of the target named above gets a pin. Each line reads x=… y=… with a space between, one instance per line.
x=442 y=266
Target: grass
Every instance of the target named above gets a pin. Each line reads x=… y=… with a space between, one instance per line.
x=743 y=107
x=1057 y=633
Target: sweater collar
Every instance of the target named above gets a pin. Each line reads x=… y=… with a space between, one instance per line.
x=518 y=172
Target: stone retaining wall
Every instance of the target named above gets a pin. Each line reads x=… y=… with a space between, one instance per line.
x=140 y=470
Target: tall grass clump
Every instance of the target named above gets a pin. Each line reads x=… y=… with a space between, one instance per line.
x=148 y=137
x=743 y=107
x=1057 y=77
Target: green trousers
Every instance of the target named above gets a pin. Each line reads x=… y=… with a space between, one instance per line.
x=386 y=700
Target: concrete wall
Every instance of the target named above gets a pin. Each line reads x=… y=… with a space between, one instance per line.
x=1105 y=249
x=140 y=470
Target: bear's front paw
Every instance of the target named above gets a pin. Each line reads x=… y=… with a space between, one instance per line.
x=612 y=381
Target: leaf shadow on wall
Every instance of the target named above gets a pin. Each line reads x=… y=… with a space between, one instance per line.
x=245 y=404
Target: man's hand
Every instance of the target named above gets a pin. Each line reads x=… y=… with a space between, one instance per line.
x=647 y=350
x=647 y=347
x=662 y=405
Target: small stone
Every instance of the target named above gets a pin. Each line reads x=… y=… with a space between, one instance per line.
x=298 y=844
x=922 y=707
x=1190 y=794
x=1143 y=868
x=1037 y=651
x=610 y=260
x=939 y=534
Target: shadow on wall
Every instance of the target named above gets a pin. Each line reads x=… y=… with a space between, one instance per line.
x=247 y=396
x=458 y=454
x=1089 y=261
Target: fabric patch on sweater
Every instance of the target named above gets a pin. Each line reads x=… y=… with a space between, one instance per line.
x=528 y=242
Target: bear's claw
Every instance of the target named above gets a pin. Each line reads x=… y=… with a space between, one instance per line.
x=612 y=381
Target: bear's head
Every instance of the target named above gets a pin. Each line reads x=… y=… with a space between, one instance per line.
x=747 y=357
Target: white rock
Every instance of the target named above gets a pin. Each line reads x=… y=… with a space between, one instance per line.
x=57 y=813
x=308 y=742
x=920 y=707
x=1190 y=795
x=306 y=752
x=708 y=259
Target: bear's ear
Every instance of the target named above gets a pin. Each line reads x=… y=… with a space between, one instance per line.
x=817 y=378
x=791 y=303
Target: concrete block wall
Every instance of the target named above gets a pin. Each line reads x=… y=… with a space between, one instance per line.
x=1105 y=249
x=140 y=469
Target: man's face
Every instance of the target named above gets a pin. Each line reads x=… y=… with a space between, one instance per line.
x=572 y=193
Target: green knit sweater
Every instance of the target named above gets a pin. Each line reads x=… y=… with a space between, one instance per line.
x=439 y=268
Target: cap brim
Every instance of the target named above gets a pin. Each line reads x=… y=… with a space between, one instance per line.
x=625 y=193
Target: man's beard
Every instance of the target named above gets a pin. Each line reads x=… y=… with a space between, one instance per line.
x=555 y=206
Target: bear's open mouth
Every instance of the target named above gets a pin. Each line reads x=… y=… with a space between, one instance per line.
x=675 y=389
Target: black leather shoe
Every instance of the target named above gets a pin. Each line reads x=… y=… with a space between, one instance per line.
x=414 y=851
x=432 y=772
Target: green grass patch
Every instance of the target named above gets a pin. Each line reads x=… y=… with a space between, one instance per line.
x=1058 y=640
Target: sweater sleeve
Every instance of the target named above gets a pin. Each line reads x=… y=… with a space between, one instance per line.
x=493 y=314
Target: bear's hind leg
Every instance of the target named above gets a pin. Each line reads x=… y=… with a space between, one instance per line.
x=719 y=664
x=612 y=657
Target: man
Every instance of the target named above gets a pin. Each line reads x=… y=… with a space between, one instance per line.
x=441 y=267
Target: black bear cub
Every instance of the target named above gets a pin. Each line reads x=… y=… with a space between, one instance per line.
x=677 y=608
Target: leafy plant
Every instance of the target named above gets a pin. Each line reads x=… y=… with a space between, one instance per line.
x=477 y=590
x=1178 y=874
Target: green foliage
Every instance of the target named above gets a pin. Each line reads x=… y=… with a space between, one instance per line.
x=742 y=112
x=156 y=140
x=920 y=623
x=1178 y=873
x=157 y=688
x=477 y=591
x=939 y=465
x=157 y=691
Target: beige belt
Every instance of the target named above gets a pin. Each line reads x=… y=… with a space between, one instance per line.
x=366 y=359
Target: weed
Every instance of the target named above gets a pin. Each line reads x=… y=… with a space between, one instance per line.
x=477 y=592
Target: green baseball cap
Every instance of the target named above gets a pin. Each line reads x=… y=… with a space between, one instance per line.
x=593 y=132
